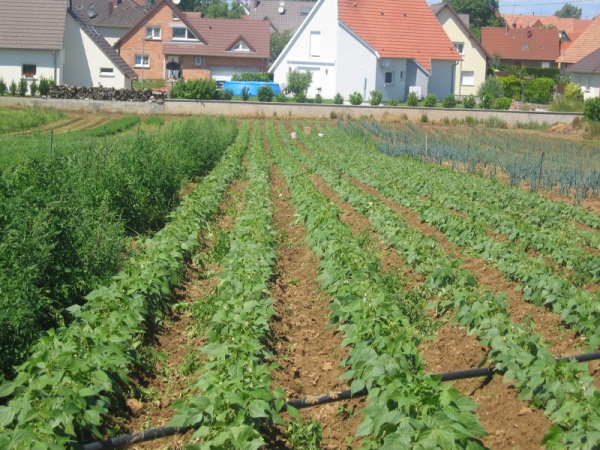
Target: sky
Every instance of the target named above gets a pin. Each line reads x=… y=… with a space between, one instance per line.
x=590 y=8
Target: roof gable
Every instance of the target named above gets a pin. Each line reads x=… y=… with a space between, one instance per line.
x=586 y=43
x=33 y=24
x=398 y=29
x=462 y=20
x=521 y=43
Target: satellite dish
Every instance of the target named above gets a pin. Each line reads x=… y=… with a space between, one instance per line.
x=176 y=2
x=280 y=10
x=91 y=10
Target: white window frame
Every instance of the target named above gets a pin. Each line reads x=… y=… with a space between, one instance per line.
x=240 y=46
x=198 y=61
x=141 y=61
x=392 y=78
x=315 y=45
x=460 y=48
x=187 y=37
x=107 y=72
x=23 y=72
x=467 y=80
x=151 y=33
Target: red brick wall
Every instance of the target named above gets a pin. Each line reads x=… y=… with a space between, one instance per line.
x=138 y=44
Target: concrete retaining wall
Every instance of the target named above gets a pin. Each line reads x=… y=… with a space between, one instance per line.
x=291 y=110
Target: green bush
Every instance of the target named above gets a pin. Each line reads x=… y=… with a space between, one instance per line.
x=45 y=84
x=245 y=93
x=449 y=101
x=226 y=94
x=393 y=102
x=563 y=104
x=502 y=103
x=489 y=91
x=338 y=99
x=430 y=101
x=281 y=98
x=513 y=87
x=300 y=97
x=469 y=102
x=33 y=88
x=412 y=99
x=12 y=88
x=252 y=76
x=573 y=91
x=356 y=98
x=539 y=90
x=318 y=98
x=22 y=87
x=265 y=94
x=201 y=89
x=591 y=109
x=298 y=81
x=376 y=97
x=3 y=86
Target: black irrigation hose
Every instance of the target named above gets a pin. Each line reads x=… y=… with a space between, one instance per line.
x=307 y=402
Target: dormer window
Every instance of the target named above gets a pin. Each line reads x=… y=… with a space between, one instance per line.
x=183 y=34
x=240 y=46
x=525 y=46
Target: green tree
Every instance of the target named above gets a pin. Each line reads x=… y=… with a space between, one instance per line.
x=569 y=11
x=299 y=82
x=482 y=13
x=224 y=10
x=278 y=43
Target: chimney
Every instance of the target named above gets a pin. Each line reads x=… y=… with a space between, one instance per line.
x=110 y=7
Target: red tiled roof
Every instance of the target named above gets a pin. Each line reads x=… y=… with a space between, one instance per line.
x=569 y=26
x=398 y=29
x=585 y=44
x=521 y=43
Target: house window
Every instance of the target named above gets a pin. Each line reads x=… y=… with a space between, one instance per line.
x=545 y=65
x=175 y=17
x=240 y=46
x=183 y=34
x=29 y=70
x=142 y=61
x=467 y=78
x=107 y=71
x=198 y=61
x=389 y=78
x=152 y=32
x=315 y=44
x=460 y=48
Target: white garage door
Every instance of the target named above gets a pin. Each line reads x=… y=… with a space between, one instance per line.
x=225 y=73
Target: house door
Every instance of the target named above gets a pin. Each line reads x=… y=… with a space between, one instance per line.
x=173 y=67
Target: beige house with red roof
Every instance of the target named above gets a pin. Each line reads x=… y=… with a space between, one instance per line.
x=393 y=46
x=168 y=43
x=469 y=72
x=522 y=46
x=582 y=60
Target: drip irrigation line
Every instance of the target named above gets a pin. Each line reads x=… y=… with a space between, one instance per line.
x=157 y=433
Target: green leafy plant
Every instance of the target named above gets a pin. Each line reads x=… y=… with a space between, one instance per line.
x=33 y=88
x=318 y=98
x=539 y=90
x=513 y=87
x=430 y=100
x=281 y=98
x=393 y=102
x=338 y=99
x=573 y=91
x=300 y=97
x=200 y=89
x=376 y=97
x=502 y=103
x=44 y=86
x=356 y=98
x=226 y=94
x=22 y=87
x=245 y=93
x=489 y=91
x=265 y=94
x=412 y=99
x=252 y=76
x=3 y=86
x=591 y=109
x=449 y=101
x=298 y=82
x=304 y=434
x=469 y=102
x=12 y=88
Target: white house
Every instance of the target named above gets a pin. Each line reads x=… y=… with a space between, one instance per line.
x=46 y=38
x=362 y=45
x=468 y=73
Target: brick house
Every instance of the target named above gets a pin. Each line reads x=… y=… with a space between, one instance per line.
x=169 y=44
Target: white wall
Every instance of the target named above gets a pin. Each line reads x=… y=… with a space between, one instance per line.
x=589 y=82
x=474 y=59
x=297 y=55
x=112 y=34
x=83 y=61
x=12 y=60
x=357 y=66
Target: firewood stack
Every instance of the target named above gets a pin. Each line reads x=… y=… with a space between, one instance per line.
x=106 y=94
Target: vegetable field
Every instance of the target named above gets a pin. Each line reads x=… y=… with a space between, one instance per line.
x=308 y=258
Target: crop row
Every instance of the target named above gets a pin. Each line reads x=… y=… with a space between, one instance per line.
x=408 y=408
x=565 y=390
x=74 y=375
x=543 y=162
x=233 y=395
x=578 y=308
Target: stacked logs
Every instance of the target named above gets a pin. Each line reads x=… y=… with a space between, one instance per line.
x=106 y=94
